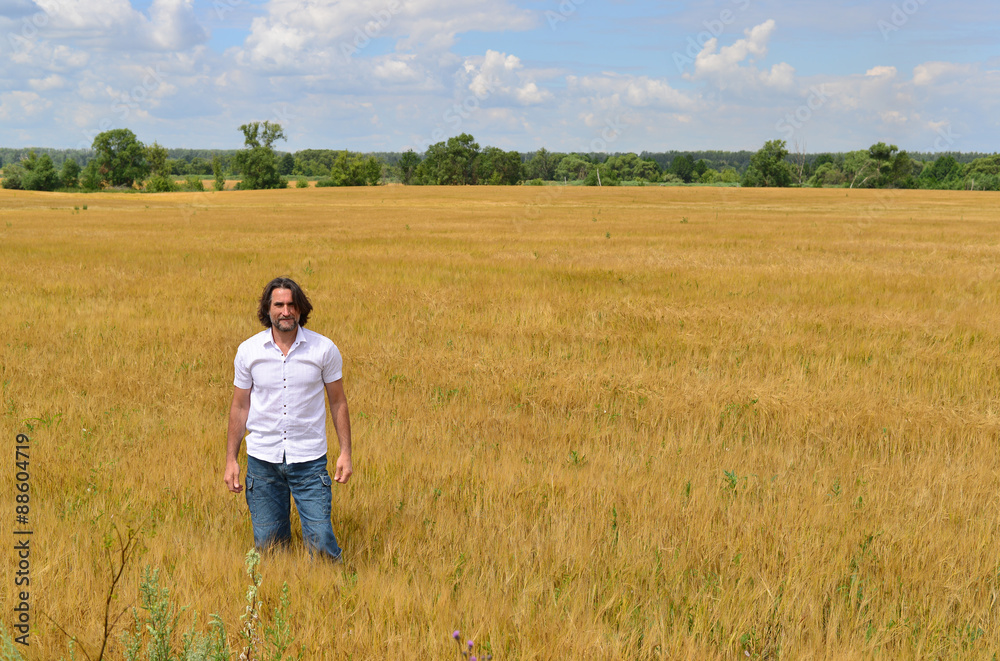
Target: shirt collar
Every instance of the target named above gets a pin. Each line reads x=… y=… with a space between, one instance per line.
x=300 y=336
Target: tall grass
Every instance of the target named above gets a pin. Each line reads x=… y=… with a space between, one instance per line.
x=583 y=428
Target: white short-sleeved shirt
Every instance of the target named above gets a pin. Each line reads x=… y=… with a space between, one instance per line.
x=287 y=394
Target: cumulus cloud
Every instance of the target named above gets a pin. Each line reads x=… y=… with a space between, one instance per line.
x=726 y=68
x=173 y=26
x=398 y=70
x=881 y=72
x=22 y=104
x=51 y=82
x=294 y=32
x=331 y=70
x=502 y=76
x=116 y=25
x=611 y=89
x=893 y=117
x=930 y=73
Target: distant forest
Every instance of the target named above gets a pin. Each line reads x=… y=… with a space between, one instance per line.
x=461 y=161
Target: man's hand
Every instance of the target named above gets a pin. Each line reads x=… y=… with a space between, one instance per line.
x=238 y=412
x=344 y=469
x=342 y=421
x=232 y=477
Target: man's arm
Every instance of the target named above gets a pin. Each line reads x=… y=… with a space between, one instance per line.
x=342 y=421
x=238 y=412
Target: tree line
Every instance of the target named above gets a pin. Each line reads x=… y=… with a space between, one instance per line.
x=118 y=160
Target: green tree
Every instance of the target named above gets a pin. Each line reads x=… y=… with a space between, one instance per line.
x=199 y=165
x=286 y=164
x=121 y=158
x=542 y=165
x=858 y=168
x=32 y=173
x=351 y=169
x=601 y=175
x=258 y=162
x=497 y=167
x=407 y=165
x=12 y=176
x=622 y=165
x=217 y=171
x=822 y=159
x=42 y=176
x=90 y=177
x=460 y=164
x=902 y=171
x=768 y=166
x=700 y=168
x=160 y=179
x=572 y=166
x=451 y=163
x=156 y=156
x=70 y=174
x=982 y=174
x=729 y=176
x=647 y=169
x=684 y=167
x=944 y=172
x=827 y=174
x=882 y=156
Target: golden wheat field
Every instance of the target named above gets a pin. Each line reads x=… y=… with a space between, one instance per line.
x=618 y=423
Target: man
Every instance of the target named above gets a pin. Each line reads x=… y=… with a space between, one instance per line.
x=281 y=376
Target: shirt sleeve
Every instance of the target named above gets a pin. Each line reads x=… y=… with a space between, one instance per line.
x=242 y=378
x=333 y=364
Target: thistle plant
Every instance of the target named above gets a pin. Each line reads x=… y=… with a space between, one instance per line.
x=154 y=629
x=251 y=617
x=465 y=651
x=277 y=636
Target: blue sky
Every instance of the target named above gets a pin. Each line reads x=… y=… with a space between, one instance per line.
x=568 y=75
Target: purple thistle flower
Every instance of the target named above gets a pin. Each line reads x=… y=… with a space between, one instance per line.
x=470 y=645
x=457 y=634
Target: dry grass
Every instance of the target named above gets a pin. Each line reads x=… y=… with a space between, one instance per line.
x=589 y=423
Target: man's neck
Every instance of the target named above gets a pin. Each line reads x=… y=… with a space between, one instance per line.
x=284 y=339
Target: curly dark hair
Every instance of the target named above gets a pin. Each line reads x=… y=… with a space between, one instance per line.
x=298 y=297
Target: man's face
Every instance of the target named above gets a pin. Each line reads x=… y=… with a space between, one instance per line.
x=284 y=314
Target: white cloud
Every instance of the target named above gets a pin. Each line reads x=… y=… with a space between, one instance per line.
x=342 y=67
x=501 y=76
x=610 y=90
x=301 y=34
x=781 y=76
x=930 y=73
x=88 y=15
x=398 y=70
x=20 y=105
x=50 y=82
x=64 y=57
x=173 y=25
x=725 y=66
x=530 y=94
x=881 y=72
x=893 y=117
x=873 y=92
x=116 y=25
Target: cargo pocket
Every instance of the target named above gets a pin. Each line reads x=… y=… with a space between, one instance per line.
x=248 y=483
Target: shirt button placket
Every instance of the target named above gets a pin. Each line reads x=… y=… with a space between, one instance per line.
x=284 y=402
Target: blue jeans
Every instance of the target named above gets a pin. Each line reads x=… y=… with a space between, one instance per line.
x=268 y=487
